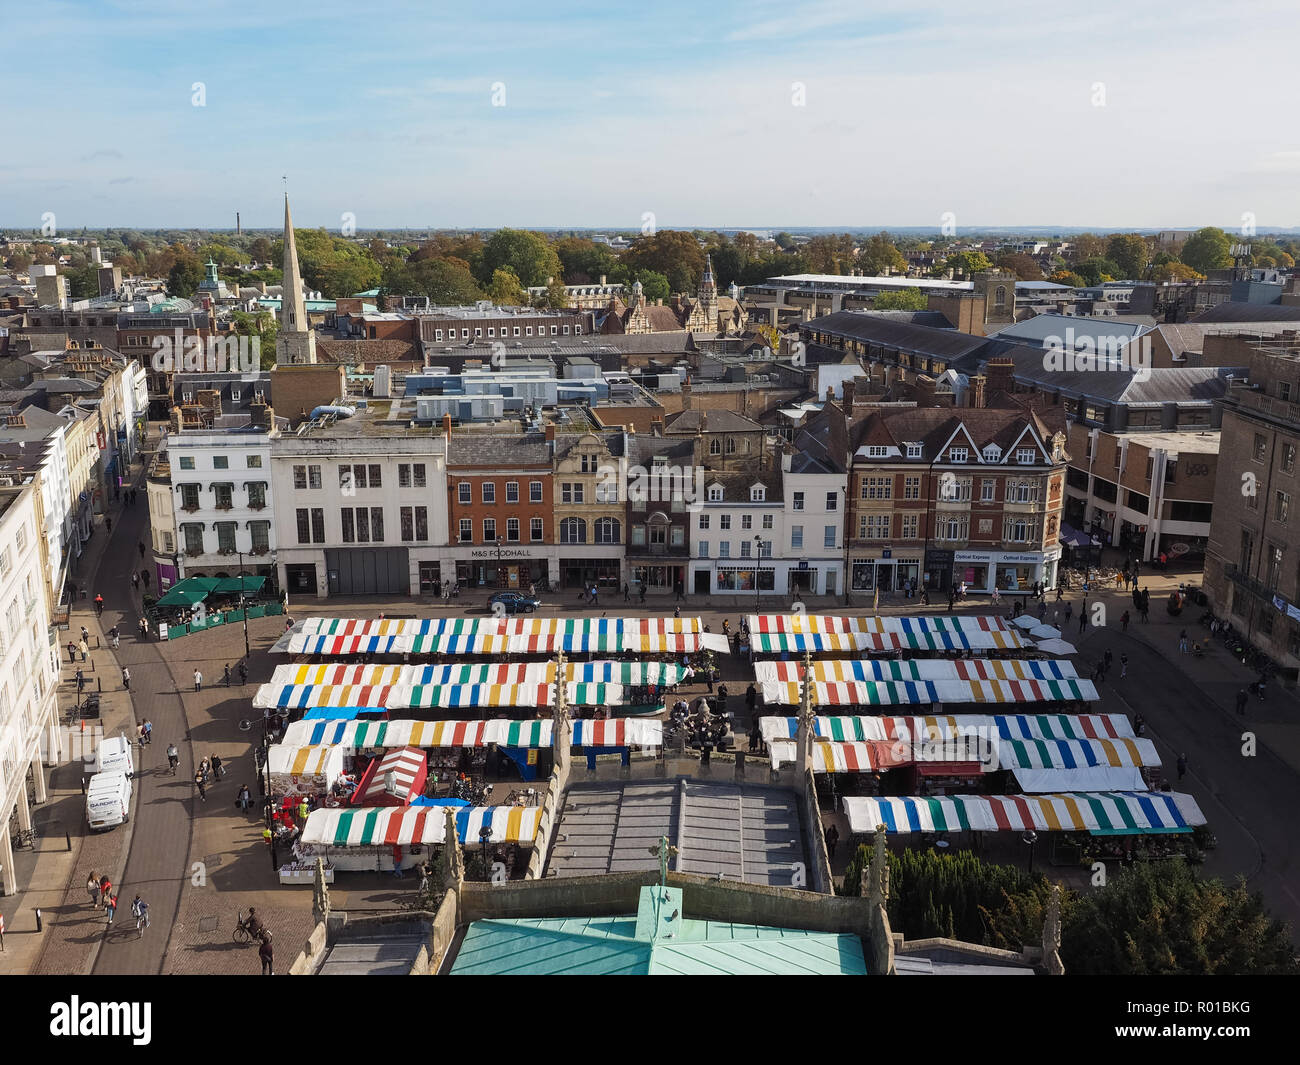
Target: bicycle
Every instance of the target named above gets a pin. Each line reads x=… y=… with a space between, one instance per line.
x=25 y=838
x=141 y=923
x=243 y=933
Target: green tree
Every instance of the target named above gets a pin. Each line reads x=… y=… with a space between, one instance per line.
x=83 y=282
x=19 y=261
x=1159 y=918
x=1129 y=252
x=1207 y=249
x=1096 y=270
x=654 y=285
x=446 y=284
x=584 y=261
x=185 y=273
x=505 y=290
x=674 y=254
x=528 y=255
x=1025 y=267
x=785 y=241
x=1087 y=246
x=261 y=250
x=968 y=262
x=262 y=325
x=878 y=254
x=557 y=298
x=905 y=299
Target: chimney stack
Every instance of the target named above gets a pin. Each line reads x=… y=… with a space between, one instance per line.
x=979 y=391
x=446 y=426
x=849 y=389
x=550 y=431
x=686 y=393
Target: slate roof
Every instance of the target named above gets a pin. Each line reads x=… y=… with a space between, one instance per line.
x=612 y=439
x=874 y=329
x=1164 y=385
x=688 y=422
x=1249 y=312
x=496 y=449
x=935 y=427
x=1038 y=329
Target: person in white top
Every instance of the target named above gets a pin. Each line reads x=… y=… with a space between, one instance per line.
x=198 y=681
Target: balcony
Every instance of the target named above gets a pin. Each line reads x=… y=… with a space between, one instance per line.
x=1242 y=580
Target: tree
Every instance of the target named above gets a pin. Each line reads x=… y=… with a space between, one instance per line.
x=261 y=250
x=83 y=282
x=185 y=273
x=784 y=241
x=1207 y=249
x=1023 y=266
x=967 y=262
x=262 y=325
x=1096 y=270
x=584 y=261
x=1176 y=271
x=1158 y=918
x=505 y=290
x=1087 y=246
x=1068 y=277
x=830 y=253
x=557 y=297
x=444 y=283
x=674 y=254
x=654 y=286
x=526 y=254
x=905 y=299
x=1129 y=253
x=19 y=261
x=879 y=254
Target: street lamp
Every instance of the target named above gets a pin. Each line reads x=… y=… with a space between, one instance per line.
x=1030 y=838
x=243 y=602
x=758 y=555
x=485 y=834
x=500 y=544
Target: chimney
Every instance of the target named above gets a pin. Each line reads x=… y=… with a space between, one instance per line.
x=550 y=431
x=849 y=388
x=830 y=394
x=979 y=391
x=657 y=425
x=787 y=458
x=677 y=302
x=602 y=280
x=686 y=393
x=175 y=420
x=999 y=371
x=446 y=426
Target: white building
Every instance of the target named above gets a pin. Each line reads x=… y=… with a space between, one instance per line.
x=738 y=534
x=29 y=669
x=361 y=504
x=814 y=521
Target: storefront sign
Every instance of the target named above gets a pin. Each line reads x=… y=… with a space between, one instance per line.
x=505 y=552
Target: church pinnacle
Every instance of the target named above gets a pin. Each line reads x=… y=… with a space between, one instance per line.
x=295 y=343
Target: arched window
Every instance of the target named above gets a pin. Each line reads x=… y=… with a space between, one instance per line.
x=573 y=531
x=731 y=445
x=1000 y=295
x=607 y=530
x=715 y=446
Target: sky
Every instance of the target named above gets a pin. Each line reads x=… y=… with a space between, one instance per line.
x=672 y=114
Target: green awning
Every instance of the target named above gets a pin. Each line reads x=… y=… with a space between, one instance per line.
x=232 y=585
x=189 y=591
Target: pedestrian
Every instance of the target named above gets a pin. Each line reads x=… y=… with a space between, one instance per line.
x=108 y=524
x=227 y=674
x=1139 y=724
x=627 y=594
x=110 y=905
x=1182 y=641
x=141 y=546
x=641 y=593
x=1182 y=767
x=1123 y=665
x=105 y=886
x=397 y=861
x=198 y=681
x=708 y=679
x=1069 y=612
x=267 y=955
x=1242 y=698
x=148 y=731
x=1083 y=623
x=218 y=770
x=303 y=810
x=1060 y=592
x=1042 y=608
x=677 y=611
x=832 y=838
x=99 y=605
x=245 y=800
x=126 y=679
x=205 y=769
x=84 y=648
x=72 y=651
x=198 y=783
x=1123 y=621
x=85 y=634
x=1109 y=657
x=115 y=636
x=243 y=673
x=92 y=889
x=594 y=590
x=81 y=681
x=1099 y=671
x=140 y=911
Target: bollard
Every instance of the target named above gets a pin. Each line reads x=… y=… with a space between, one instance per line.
x=67 y=838
x=83 y=785
x=39 y=924
x=99 y=684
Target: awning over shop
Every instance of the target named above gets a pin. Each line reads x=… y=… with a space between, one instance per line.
x=827 y=623
x=246 y=584
x=405 y=767
x=1071 y=537
x=188 y=592
x=359 y=735
x=617 y=732
x=1073 y=811
x=406 y=825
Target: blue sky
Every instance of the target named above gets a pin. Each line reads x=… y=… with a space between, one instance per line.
x=686 y=111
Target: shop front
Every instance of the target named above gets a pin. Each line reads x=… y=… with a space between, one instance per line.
x=656 y=577
x=1006 y=571
x=882 y=571
x=515 y=574
x=605 y=573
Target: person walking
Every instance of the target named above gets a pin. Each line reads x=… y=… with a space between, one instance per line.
x=84 y=648
x=832 y=838
x=245 y=800
x=115 y=637
x=1182 y=767
x=627 y=594
x=641 y=593
x=140 y=911
x=1123 y=665
x=110 y=905
x=226 y=674
x=594 y=599
x=1182 y=641
x=173 y=757
x=126 y=679
x=243 y=673
x=1242 y=698
x=304 y=811
x=140 y=545
x=198 y=681
x=148 y=732
x=1083 y=622
x=1108 y=657
x=99 y=605
x=267 y=954
x=81 y=681
x=198 y=783
x=144 y=629
x=92 y=889
x=1123 y=622
x=72 y=651
x=218 y=770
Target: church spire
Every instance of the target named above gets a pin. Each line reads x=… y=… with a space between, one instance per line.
x=295 y=343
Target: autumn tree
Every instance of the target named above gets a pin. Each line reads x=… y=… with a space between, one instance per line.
x=1173 y=270
x=879 y=254
x=674 y=254
x=905 y=299
x=1129 y=253
x=505 y=289
x=1207 y=249
x=1025 y=267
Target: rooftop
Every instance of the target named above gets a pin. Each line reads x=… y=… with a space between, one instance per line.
x=1205 y=442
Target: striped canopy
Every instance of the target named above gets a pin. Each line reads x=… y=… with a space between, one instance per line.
x=303 y=761
x=333 y=673
x=1070 y=811
x=946 y=726
x=617 y=732
x=346 y=645
x=1063 y=726
x=886 y=642
x=359 y=735
x=872 y=756
x=306 y=696
x=470 y=696
x=406 y=825
x=822 y=623
x=866 y=669
x=408 y=766
x=1076 y=754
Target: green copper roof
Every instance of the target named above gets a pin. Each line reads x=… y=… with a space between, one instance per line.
x=658 y=941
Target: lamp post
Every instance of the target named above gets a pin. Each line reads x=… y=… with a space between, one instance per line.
x=485 y=834
x=500 y=544
x=1030 y=838
x=243 y=602
x=758 y=556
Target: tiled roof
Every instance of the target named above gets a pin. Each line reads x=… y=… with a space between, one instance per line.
x=1249 y=312
x=488 y=449
x=873 y=329
x=714 y=421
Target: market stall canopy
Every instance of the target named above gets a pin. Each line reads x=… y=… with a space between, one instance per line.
x=406 y=825
x=878 y=756
x=902 y=693
x=1089 y=778
x=1062 y=726
x=190 y=591
x=393 y=779
x=1056 y=647
x=617 y=732
x=246 y=585
x=471 y=696
x=1025 y=622
x=949 y=726
x=1044 y=632
x=869 y=669
x=334 y=673
x=308 y=696
x=1075 y=754
x=286 y=760
x=1072 y=811
x=715 y=641
x=346 y=645
x=774 y=643
x=829 y=623
x=361 y=735
x=1071 y=537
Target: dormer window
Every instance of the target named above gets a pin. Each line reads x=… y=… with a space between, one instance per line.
x=757 y=494
x=958 y=454
x=992 y=453
x=876 y=451
x=715 y=493
x=1025 y=456
x=914 y=451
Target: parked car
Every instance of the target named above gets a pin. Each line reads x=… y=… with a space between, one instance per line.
x=514 y=603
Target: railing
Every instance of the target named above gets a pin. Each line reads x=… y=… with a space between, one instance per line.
x=260 y=610
x=1243 y=580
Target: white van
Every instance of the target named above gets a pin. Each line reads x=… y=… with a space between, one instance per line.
x=114 y=755
x=108 y=800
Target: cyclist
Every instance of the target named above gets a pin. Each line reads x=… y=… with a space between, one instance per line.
x=173 y=757
x=140 y=911
x=254 y=924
